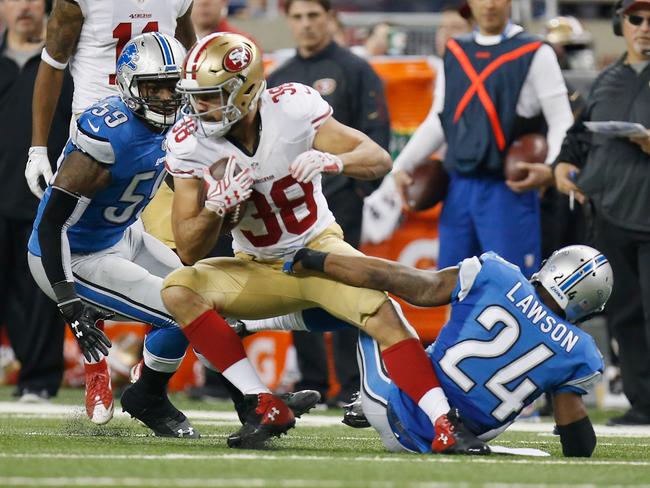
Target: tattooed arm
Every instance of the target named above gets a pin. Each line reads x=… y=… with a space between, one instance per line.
x=419 y=287
x=63 y=31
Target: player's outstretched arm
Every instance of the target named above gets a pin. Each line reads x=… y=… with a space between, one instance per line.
x=362 y=158
x=576 y=432
x=422 y=288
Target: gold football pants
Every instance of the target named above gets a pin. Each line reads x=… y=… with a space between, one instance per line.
x=252 y=289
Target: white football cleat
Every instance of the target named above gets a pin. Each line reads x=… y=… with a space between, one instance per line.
x=99 y=392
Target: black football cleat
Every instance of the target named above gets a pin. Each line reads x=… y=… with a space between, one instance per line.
x=157 y=413
x=301 y=402
x=353 y=415
x=452 y=437
x=266 y=416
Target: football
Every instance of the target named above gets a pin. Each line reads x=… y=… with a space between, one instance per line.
x=430 y=181
x=529 y=148
x=232 y=218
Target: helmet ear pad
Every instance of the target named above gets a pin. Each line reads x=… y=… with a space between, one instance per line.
x=617 y=19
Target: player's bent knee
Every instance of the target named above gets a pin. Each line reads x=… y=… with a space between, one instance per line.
x=386 y=327
x=183 y=303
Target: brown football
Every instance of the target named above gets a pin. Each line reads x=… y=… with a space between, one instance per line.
x=232 y=218
x=529 y=148
x=430 y=181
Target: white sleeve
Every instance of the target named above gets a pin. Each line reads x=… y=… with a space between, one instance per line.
x=181 y=158
x=427 y=139
x=439 y=90
x=304 y=103
x=97 y=148
x=545 y=74
x=469 y=270
x=559 y=118
x=545 y=89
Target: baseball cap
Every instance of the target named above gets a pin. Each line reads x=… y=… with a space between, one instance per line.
x=629 y=5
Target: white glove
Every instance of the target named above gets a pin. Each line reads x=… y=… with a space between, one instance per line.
x=310 y=163
x=38 y=164
x=382 y=212
x=230 y=191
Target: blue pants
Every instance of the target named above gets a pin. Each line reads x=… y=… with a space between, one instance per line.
x=483 y=214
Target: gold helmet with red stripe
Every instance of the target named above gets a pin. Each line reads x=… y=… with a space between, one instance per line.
x=227 y=70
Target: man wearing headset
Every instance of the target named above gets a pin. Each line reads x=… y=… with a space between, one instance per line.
x=612 y=174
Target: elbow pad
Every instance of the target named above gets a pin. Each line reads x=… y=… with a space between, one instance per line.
x=578 y=438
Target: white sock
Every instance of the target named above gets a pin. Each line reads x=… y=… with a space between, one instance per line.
x=245 y=378
x=162 y=365
x=292 y=321
x=434 y=403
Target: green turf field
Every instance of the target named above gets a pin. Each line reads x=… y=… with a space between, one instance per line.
x=45 y=447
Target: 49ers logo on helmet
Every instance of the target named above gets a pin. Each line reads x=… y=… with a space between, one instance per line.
x=237 y=58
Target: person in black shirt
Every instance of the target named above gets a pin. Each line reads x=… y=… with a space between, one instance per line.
x=612 y=176
x=355 y=92
x=33 y=322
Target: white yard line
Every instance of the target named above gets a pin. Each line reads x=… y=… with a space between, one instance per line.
x=211 y=417
x=260 y=457
x=261 y=483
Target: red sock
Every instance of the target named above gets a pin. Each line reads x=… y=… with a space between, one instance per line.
x=211 y=335
x=410 y=368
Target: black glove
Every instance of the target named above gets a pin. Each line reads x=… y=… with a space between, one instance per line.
x=82 y=319
x=306 y=258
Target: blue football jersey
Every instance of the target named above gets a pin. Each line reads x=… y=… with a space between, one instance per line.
x=500 y=350
x=135 y=156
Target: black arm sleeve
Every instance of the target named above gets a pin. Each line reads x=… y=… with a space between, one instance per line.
x=578 y=438
x=63 y=209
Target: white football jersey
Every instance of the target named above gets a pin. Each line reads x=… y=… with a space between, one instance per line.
x=108 y=26
x=282 y=215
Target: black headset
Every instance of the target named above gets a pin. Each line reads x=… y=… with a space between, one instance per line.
x=617 y=22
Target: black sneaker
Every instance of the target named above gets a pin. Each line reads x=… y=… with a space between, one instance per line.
x=452 y=437
x=157 y=413
x=631 y=417
x=353 y=415
x=266 y=416
x=301 y=402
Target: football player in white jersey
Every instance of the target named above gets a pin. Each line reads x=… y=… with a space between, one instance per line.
x=277 y=144
x=89 y=36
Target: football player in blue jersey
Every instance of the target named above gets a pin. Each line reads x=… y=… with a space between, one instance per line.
x=507 y=341
x=84 y=251
x=89 y=254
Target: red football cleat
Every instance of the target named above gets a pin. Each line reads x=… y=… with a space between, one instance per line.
x=99 y=392
x=452 y=437
x=266 y=416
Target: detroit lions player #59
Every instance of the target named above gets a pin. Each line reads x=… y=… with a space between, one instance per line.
x=84 y=251
x=507 y=341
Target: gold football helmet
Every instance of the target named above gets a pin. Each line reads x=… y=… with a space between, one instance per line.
x=225 y=69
